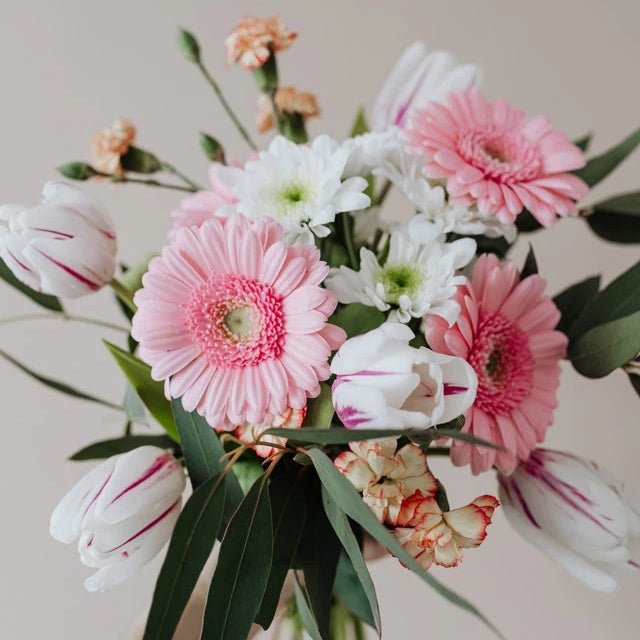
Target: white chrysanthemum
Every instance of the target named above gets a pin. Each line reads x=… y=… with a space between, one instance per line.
x=300 y=186
x=430 y=200
x=370 y=151
x=416 y=278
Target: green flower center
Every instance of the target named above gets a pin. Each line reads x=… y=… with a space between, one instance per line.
x=290 y=200
x=401 y=279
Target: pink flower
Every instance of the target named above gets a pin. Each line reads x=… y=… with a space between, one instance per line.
x=431 y=535
x=249 y=433
x=201 y=206
x=235 y=321
x=493 y=157
x=506 y=332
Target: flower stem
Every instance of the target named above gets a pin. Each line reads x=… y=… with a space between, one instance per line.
x=347 y=236
x=149 y=182
x=63 y=316
x=124 y=294
x=382 y=194
x=171 y=169
x=226 y=106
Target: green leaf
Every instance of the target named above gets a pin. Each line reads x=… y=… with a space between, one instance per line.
x=348 y=588
x=203 y=454
x=360 y=125
x=617 y=219
x=77 y=171
x=134 y=407
x=530 y=267
x=191 y=543
x=620 y=298
x=526 y=223
x=44 y=300
x=247 y=470
x=140 y=161
x=108 y=448
x=242 y=572
x=151 y=392
x=606 y=347
x=598 y=168
x=289 y=510
x=306 y=615
x=212 y=148
x=572 y=301
x=358 y=318
x=57 y=385
x=634 y=379
x=350 y=502
x=343 y=530
x=584 y=142
x=320 y=409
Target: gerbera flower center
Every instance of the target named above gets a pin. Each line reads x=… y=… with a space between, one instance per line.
x=400 y=279
x=503 y=362
x=238 y=321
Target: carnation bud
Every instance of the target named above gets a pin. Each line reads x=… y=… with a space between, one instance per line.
x=140 y=161
x=77 y=170
x=266 y=76
x=189 y=45
x=212 y=148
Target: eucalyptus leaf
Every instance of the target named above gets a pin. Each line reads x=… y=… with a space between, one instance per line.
x=44 y=300
x=242 y=572
x=151 y=392
x=349 y=590
x=306 y=615
x=56 y=385
x=606 y=347
x=530 y=266
x=107 y=448
x=350 y=502
x=357 y=319
x=572 y=301
x=320 y=409
x=598 y=168
x=617 y=219
x=191 y=543
x=341 y=526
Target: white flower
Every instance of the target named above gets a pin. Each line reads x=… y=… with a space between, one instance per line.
x=418 y=275
x=65 y=246
x=371 y=150
x=417 y=78
x=573 y=511
x=122 y=513
x=300 y=186
x=383 y=383
x=431 y=202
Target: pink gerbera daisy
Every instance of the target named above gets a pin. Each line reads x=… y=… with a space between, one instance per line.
x=505 y=331
x=235 y=321
x=492 y=156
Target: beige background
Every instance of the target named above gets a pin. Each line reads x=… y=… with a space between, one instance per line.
x=70 y=66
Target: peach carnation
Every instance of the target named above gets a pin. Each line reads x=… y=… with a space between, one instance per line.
x=286 y=100
x=250 y=433
x=110 y=144
x=253 y=39
x=234 y=321
x=492 y=156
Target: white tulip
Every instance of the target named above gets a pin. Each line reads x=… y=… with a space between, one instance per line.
x=65 y=246
x=419 y=77
x=122 y=513
x=383 y=383
x=575 y=512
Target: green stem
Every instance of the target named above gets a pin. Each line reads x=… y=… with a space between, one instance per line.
x=382 y=194
x=226 y=106
x=171 y=169
x=149 y=182
x=438 y=451
x=124 y=294
x=63 y=316
x=358 y=627
x=347 y=236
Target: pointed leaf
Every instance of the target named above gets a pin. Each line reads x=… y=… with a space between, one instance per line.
x=242 y=572
x=289 y=512
x=306 y=615
x=530 y=267
x=343 y=530
x=150 y=391
x=584 y=142
x=134 y=407
x=598 y=168
x=573 y=299
x=360 y=125
x=44 y=300
x=347 y=588
x=617 y=219
x=140 y=161
x=57 y=385
x=191 y=543
x=350 y=502
x=606 y=347
x=108 y=448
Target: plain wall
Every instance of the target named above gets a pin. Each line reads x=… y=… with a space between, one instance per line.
x=70 y=67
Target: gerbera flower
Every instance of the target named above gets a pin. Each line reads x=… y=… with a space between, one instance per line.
x=253 y=39
x=491 y=155
x=433 y=536
x=299 y=186
x=235 y=321
x=505 y=331
x=416 y=277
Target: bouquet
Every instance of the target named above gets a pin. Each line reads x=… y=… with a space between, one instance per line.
x=296 y=356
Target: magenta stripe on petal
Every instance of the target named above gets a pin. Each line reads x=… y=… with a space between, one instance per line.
x=78 y=276
x=157 y=465
x=453 y=389
x=62 y=234
x=19 y=262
